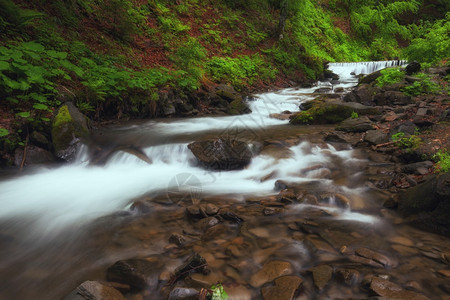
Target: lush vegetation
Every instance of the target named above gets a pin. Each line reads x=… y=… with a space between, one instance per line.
x=116 y=58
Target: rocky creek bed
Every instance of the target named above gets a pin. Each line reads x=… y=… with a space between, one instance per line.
x=363 y=218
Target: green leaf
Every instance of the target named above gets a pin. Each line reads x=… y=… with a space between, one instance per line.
x=40 y=106
x=4 y=66
x=33 y=46
x=57 y=54
x=3 y=132
x=45 y=119
x=24 y=114
x=38 y=97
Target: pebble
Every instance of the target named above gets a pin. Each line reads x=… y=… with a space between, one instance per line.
x=322 y=275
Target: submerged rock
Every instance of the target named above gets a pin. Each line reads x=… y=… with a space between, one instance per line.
x=384 y=288
x=284 y=288
x=322 y=275
x=94 y=290
x=270 y=271
x=179 y=293
x=222 y=154
x=134 y=272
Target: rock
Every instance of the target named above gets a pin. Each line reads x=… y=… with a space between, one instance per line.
x=228 y=93
x=39 y=139
x=68 y=127
x=384 y=288
x=370 y=77
x=211 y=209
x=238 y=107
x=180 y=293
x=287 y=196
x=169 y=110
x=270 y=271
x=323 y=90
x=284 y=288
x=177 y=239
x=34 y=156
x=195 y=263
x=280 y=116
x=360 y=124
x=134 y=272
x=221 y=154
x=322 y=275
x=335 y=138
x=376 y=137
x=364 y=94
x=406 y=127
x=238 y=293
x=392 y=98
x=206 y=223
x=428 y=204
x=270 y=211
x=375 y=256
x=94 y=290
x=348 y=276
x=417 y=168
x=413 y=67
x=322 y=113
x=194 y=211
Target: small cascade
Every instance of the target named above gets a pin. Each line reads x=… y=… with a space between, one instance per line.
x=348 y=70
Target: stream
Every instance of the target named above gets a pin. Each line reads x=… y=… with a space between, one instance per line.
x=63 y=225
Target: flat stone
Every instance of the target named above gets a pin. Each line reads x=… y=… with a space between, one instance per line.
x=206 y=223
x=238 y=293
x=284 y=288
x=401 y=241
x=322 y=275
x=203 y=281
x=94 y=290
x=375 y=256
x=349 y=276
x=385 y=288
x=260 y=232
x=270 y=271
x=445 y=273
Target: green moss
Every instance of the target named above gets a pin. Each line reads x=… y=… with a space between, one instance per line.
x=62 y=117
x=323 y=113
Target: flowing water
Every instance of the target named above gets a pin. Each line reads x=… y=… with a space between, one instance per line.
x=60 y=226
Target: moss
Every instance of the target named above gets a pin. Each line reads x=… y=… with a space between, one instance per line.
x=62 y=117
x=238 y=107
x=322 y=113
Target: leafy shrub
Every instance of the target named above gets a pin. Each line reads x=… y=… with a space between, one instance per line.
x=424 y=86
x=442 y=159
x=433 y=45
x=390 y=76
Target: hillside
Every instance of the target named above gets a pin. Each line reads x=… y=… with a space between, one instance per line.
x=121 y=59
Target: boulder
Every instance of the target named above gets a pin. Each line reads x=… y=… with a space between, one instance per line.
x=360 y=124
x=238 y=107
x=376 y=137
x=222 y=154
x=413 y=67
x=227 y=92
x=392 y=98
x=369 y=78
x=428 y=204
x=134 y=272
x=364 y=94
x=68 y=127
x=322 y=113
x=34 y=156
x=94 y=290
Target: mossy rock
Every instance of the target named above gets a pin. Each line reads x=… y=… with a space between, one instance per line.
x=238 y=107
x=69 y=124
x=322 y=113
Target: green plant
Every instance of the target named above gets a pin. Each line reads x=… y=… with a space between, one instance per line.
x=354 y=115
x=442 y=159
x=424 y=86
x=3 y=132
x=403 y=141
x=390 y=76
x=217 y=292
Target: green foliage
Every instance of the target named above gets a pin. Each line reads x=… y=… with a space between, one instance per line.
x=442 y=159
x=239 y=71
x=354 y=115
x=217 y=292
x=390 y=76
x=408 y=142
x=13 y=17
x=424 y=86
x=432 y=43
x=3 y=132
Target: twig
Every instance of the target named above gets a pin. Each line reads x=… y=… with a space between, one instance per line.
x=384 y=144
x=24 y=152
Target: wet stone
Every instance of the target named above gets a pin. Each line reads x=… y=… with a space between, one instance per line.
x=287 y=196
x=375 y=256
x=270 y=271
x=270 y=211
x=322 y=275
x=194 y=211
x=177 y=239
x=134 y=272
x=238 y=292
x=445 y=273
x=284 y=288
x=179 y=293
x=94 y=290
x=206 y=223
x=215 y=232
x=348 y=276
x=390 y=290
x=196 y=263
x=211 y=209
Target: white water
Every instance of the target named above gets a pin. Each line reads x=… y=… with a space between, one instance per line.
x=54 y=199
